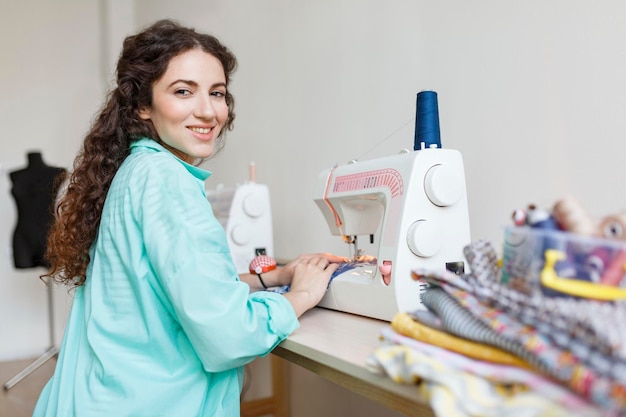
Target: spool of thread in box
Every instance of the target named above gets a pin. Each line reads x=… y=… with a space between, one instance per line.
x=427 y=133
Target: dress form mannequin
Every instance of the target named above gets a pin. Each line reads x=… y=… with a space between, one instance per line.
x=34 y=189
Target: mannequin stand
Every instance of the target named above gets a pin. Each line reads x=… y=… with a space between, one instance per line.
x=52 y=351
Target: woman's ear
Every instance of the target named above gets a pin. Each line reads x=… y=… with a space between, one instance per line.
x=144 y=113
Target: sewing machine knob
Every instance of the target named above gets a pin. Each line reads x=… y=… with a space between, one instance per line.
x=240 y=235
x=253 y=206
x=424 y=238
x=443 y=184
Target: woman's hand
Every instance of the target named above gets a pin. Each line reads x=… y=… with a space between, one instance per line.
x=310 y=275
x=286 y=273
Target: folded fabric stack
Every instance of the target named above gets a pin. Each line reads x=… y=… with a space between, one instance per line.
x=483 y=348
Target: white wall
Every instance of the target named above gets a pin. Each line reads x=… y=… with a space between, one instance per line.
x=50 y=79
x=56 y=63
x=531 y=93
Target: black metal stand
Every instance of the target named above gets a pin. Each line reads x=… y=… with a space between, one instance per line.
x=52 y=351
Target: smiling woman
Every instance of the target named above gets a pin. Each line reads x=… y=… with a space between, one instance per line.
x=189 y=105
x=161 y=323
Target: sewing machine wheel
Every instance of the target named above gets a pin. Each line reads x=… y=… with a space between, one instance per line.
x=424 y=238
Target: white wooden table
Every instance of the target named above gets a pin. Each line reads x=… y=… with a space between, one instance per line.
x=336 y=345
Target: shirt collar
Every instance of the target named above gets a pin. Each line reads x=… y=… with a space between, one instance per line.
x=144 y=144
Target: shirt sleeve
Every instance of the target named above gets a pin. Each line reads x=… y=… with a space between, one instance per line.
x=227 y=325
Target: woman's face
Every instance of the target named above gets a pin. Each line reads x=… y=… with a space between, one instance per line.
x=189 y=105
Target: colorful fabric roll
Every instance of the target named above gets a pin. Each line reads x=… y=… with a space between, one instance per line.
x=573 y=349
x=461 y=322
x=404 y=324
x=496 y=373
x=456 y=393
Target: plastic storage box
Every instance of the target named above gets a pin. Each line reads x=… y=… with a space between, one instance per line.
x=557 y=263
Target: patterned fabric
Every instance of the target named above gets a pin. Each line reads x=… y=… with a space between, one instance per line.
x=457 y=386
x=461 y=322
x=343 y=267
x=406 y=325
x=601 y=325
x=572 y=348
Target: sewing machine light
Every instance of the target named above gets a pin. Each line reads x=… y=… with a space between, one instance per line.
x=349 y=239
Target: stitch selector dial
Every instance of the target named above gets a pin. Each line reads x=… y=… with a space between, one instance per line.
x=240 y=235
x=444 y=185
x=253 y=206
x=424 y=238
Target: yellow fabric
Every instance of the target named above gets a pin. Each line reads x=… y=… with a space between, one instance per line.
x=453 y=393
x=407 y=326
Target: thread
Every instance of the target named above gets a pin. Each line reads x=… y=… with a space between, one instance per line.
x=427 y=132
x=613 y=226
x=572 y=217
x=386 y=138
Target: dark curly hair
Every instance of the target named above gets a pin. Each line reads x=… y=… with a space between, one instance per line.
x=144 y=59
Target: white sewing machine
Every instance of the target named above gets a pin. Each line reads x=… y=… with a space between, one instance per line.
x=413 y=208
x=246 y=215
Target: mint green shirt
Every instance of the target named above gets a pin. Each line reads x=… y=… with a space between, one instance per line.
x=163 y=326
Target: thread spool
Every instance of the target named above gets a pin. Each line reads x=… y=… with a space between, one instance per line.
x=572 y=217
x=427 y=131
x=613 y=226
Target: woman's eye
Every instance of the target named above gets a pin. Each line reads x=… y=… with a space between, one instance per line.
x=218 y=93
x=182 y=92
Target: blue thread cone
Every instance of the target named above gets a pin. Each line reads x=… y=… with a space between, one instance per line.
x=427 y=121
